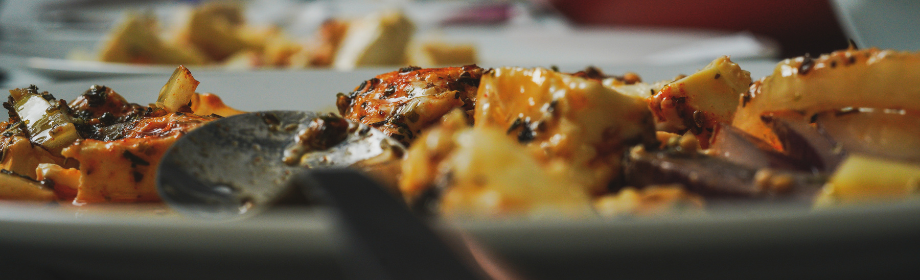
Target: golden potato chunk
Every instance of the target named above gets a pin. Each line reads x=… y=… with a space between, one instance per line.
x=136 y=40
x=701 y=101
x=450 y=170
x=562 y=117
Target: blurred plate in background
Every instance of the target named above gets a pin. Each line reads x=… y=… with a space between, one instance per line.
x=515 y=36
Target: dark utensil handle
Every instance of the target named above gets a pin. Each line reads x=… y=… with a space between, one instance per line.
x=387 y=241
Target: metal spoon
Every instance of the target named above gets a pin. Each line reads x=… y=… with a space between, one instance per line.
x=234 y=166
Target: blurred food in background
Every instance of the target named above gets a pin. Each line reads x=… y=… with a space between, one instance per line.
x=217 y=33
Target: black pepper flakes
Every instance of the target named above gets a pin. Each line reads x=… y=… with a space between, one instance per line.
x=389 y=91
x=699 y=118
x=138 y=176
x=551 y=106
x=107 y=118
x=371 y=84
x=468 y=79
x=514 y=125
x=718 y=75
x=135 y=160
x=526 y=135
x=846 y=111
x=412 y=116
x=409 y=69
x=96 y=95
x=807 y=64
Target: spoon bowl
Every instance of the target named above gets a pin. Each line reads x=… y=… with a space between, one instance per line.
x=234 y=166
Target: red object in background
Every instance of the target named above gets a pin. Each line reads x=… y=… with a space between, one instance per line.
x=800 y=26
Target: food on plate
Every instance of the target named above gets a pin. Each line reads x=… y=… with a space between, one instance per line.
x=217 y=33
x=99 y=147
x=858 y=180
x=724 y=143
x=699 y=102
x=649 y=201
x=23 y=188
x=821 y=132
x=331 y=140
x=867 y=78
x=462 y=171
x=563 y=118
x=405 y=102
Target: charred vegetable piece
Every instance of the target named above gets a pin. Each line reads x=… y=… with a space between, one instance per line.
x=101 y=113
x=18 y=187
x=870 y=78
x=701 y=101
x=45 y=120
x=737 y=146
x=178 y=91
x=718 y=178
x=19 y=155
x=884 y=133
x=804 y=141
x=124 y=170
x=404 y=103
x=858 y=180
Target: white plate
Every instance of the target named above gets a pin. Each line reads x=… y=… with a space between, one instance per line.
x=136 y=243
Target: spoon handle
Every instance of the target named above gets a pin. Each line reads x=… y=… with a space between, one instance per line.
x=387 y=241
